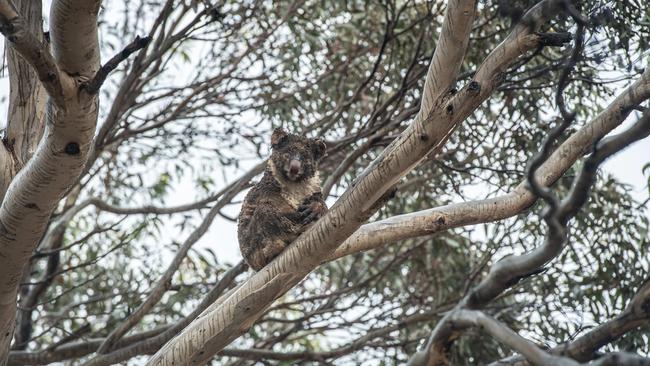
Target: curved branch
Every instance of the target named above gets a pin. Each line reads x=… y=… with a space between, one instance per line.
x=584 y=347
x=150 y=209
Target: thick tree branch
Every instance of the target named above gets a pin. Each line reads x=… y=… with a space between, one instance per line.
x=61 y=154
x=449 y=53
x=16 y=31
x=73 y=30
x=27 y=98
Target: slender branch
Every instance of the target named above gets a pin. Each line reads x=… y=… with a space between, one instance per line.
x=129 y=346
x=534 y=354
x=465 y=318
x=164 y=282
x=73 y=350
x=150 y=209
x=150 y=345
x=584 y=347
x=97 y=81
x=52 y=241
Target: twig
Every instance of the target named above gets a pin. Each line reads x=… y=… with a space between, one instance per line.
x=93 y=85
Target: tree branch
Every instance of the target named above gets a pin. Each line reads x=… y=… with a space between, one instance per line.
x=129 y=346
x=236 y=314
x=467 y=318
x=150 y=209
x=51 y=241
x=584 y=347
x=61 y=154
x=534 y=354
x=97 y=81
x=36 y=53
x=164 y=282
x=449 y=53
x=73 y=30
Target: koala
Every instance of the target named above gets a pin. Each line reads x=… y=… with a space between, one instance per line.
x=286 y=201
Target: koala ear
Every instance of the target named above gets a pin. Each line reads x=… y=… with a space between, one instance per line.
x=319 y=148
x=277 y=136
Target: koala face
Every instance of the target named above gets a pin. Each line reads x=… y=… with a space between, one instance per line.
x=295 y=157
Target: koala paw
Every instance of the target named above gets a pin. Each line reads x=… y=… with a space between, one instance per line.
x=311 y=211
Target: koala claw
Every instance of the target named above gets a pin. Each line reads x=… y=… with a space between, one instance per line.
x=311 y=212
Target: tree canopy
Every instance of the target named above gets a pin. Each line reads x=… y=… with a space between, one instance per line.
x=487 y=120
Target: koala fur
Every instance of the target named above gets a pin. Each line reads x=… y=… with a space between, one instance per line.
x=285 y=202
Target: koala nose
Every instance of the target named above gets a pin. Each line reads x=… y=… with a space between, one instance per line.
x=294 y=166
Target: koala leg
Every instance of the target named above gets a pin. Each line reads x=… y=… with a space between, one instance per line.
x=272 y=249
x=269 y=232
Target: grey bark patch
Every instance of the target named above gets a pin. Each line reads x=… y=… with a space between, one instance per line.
x=474 y=86
x=4 y=232
x=72 y=148
x=450 y=109
x=645 y=307
x=90 y=54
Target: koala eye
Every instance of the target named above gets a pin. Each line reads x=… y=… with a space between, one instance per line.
x=282 y=142
x=318 y=149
